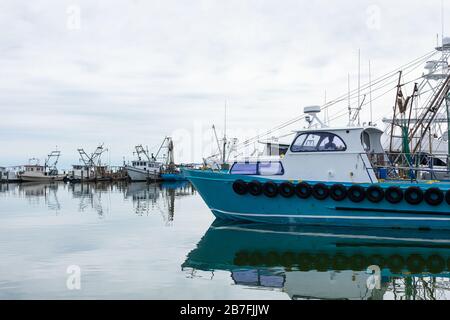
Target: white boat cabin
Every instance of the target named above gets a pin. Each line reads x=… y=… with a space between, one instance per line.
x=34 y=168
x=81 y=172
x=324 y=154
x=146 y=165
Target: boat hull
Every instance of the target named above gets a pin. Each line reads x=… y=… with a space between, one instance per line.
x=33 y=178
x=136 y=174
x=216 y=189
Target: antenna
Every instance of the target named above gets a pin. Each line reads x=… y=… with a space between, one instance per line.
x=359 y=82
x=224 y=135
x=370 y=94
x=442 y=22
x=349 y=103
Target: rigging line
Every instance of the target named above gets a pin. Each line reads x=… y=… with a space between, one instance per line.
x=339 y=99
x=284 y=125
x=395 y=81
x=425 y=109
x=388 y=91
x=427 y=101
x=353 y=93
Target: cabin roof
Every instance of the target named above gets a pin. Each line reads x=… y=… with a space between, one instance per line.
x=338 y=129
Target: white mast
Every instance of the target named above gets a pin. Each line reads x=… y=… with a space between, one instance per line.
x=370 y=93
x=224 y=135
x=359 y=83
x=349 y=103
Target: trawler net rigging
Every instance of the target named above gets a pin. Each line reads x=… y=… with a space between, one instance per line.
x=378 y=88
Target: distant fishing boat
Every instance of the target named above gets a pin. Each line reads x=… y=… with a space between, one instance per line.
x=329 y=176
x=144 y=167
x=159 y=167
x=34 y=172
x=170 y=171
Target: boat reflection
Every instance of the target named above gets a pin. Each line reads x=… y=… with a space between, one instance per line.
x=90 y=196
x=102 y=197
x=328 y=263
x=36 y=192
x=148 y=198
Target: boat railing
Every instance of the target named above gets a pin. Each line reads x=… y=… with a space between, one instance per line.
x=409 y=166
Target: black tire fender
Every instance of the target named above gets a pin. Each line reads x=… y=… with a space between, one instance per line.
x=414 y=195
x=375 y=194
x=255 y=188
x=240 y=187
x=270 y=189
x=320 y=191
x=356 y=194
x=434 y=196
x=338 y=192
x=303 y=190
x=394 y=195
x=286 y=189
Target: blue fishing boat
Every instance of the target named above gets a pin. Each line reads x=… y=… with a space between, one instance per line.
x=328 y=176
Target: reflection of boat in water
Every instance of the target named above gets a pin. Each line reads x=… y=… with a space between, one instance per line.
x=180 y=185
x=159 y=196
x=34 y=191
x=143 y=195
x=324 y=263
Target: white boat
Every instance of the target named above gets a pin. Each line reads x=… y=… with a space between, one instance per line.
x=144 y=170
x=37 y=173
x=81 y=173
x=34 y=172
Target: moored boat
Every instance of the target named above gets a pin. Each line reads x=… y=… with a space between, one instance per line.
x=145 y=167
x=329 y=176
x=34 y=172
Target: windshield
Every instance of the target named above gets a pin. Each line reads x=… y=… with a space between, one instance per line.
x=318 y=142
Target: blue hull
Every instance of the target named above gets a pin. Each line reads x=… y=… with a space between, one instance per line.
x=237 y=246
x=217 y=191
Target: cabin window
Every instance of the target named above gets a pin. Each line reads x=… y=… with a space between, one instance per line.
x=318 y=142
x=269 y=168
x=365 y=139
x=245 y=168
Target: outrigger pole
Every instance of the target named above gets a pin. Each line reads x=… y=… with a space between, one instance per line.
x=394 y=117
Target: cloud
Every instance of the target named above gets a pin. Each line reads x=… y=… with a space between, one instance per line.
x=136 y=71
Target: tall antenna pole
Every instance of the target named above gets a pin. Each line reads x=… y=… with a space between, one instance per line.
x=442 y=22
x=359 y=83
x=349 y=103
x=325 y=116
x=370 y=93
x=394 y=117
x=224 y=135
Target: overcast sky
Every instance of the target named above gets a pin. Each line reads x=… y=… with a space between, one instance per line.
x=77 y=73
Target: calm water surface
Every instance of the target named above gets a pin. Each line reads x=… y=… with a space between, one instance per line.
x=160 y=241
